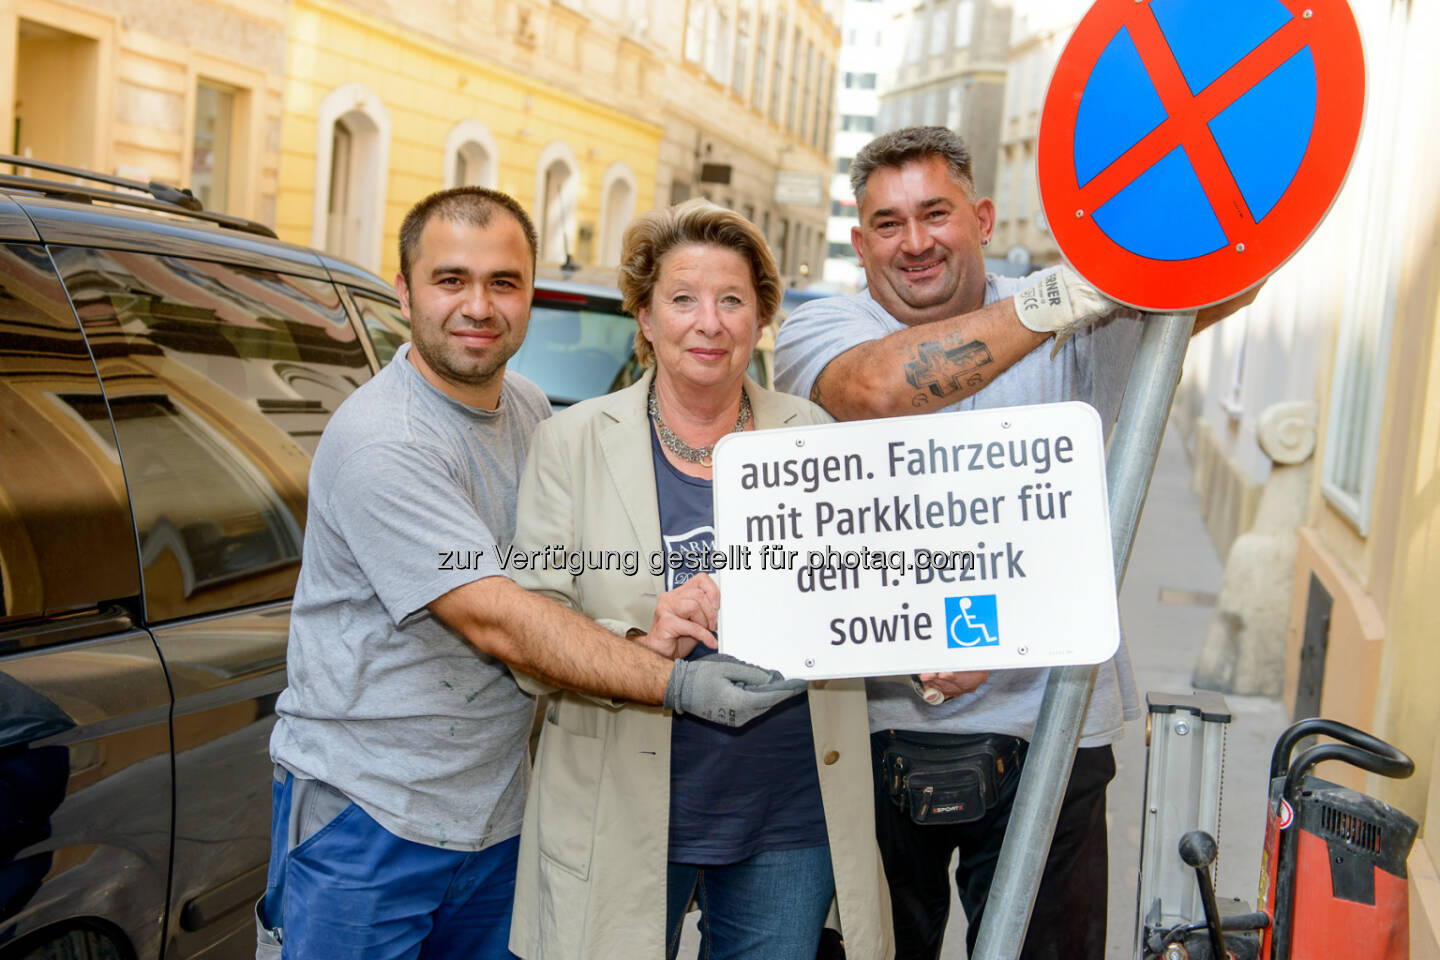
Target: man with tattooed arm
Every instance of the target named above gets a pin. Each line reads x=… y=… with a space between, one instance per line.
x=934 y=332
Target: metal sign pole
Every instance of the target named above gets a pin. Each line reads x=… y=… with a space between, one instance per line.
x=1134 y=446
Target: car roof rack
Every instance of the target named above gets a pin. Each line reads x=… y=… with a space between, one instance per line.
x=160 y=197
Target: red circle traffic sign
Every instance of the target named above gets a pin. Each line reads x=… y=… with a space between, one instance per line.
x=1189 y=147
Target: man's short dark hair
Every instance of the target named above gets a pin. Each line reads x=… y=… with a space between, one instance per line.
x=475 y=206
x=907 y=145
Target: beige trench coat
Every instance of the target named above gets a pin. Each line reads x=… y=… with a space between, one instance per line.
x=593 y=850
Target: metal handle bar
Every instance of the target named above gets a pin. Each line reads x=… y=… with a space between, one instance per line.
x=1343 y=732
x=1388 y=762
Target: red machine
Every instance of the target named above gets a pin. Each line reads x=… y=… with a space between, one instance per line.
x=1333 y=880
x=1336 y=857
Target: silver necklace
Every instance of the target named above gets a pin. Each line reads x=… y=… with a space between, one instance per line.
x=680 y=448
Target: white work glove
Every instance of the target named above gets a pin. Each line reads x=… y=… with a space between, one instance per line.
x=727 y=691
x=1060 y=301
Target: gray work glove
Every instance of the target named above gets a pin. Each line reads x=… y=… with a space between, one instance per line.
x=727 y=691
x=1060 y=301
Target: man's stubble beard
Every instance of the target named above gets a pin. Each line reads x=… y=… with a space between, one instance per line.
x=437 y=358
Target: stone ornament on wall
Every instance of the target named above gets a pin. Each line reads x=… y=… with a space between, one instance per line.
x=1286 y=431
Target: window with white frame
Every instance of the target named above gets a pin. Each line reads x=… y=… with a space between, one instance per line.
x=557 y=193
x=352 y=152
x=471 y=159
x=695 y=30
x=939 y=30
x=718 y=60
x=762 y=46
x=964 y=23
x=618 y=191
x=742 y=50
x=1379 y=215
x=954 y=110
x=1039 y=78
x=778 y=72
x=914 y=39
x=1015 y=95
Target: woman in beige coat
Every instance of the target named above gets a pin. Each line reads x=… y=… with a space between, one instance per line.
x=634 y=812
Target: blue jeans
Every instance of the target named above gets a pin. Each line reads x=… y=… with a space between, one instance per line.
x=769 y=907
x=351 y=890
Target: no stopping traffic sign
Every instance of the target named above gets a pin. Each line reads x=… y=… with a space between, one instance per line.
x=1189 y=147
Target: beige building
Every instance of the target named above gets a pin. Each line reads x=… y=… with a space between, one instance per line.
x=748 y=115
x=183 y=91
x=944 y=64
x=1039 y=31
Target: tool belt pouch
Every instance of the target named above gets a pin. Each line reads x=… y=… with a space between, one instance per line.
x=952 y=782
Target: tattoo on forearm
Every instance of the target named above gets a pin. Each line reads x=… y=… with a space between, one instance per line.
x=944 y=366
x=815 y=396
x=921 y=399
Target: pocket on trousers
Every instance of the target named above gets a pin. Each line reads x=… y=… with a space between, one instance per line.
x=266 y=946
x=567 y=784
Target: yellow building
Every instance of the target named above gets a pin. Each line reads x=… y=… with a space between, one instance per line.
x=1364 y=639
x=377 y=115
x=1341 y=353
x=183 y=92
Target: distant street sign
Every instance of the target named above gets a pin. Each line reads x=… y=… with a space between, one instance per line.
x=1189 y=147
x=799 y=189
x=959 y=541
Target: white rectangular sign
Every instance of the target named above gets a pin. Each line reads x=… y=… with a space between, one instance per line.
x=958 y=541
x=797 y=188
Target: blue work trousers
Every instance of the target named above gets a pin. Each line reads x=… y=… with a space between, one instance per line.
x=351 y=889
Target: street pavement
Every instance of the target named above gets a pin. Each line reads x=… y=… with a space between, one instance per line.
x=1165 y=605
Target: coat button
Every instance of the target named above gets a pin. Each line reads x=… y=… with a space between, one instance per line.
x=831 y=756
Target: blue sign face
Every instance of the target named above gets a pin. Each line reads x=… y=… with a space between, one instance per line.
x=1175 y=210
x=1188 y=147
x=972 y=621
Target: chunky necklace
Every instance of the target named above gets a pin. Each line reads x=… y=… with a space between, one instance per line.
x=680 y=448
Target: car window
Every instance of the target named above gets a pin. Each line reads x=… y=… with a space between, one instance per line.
x=66 y=542
x=384 y=322
x=220 y=380
x=575 y=352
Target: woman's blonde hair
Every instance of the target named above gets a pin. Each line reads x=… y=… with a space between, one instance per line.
x=652 y=235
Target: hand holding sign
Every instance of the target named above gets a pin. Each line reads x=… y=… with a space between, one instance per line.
x=951 y=685
x=683 y=617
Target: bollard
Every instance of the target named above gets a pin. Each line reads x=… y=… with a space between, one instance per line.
x=1134 y=446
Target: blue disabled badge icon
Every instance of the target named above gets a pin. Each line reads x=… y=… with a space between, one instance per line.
x=973 y=621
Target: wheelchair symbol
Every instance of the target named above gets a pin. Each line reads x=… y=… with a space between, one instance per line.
x=973 y=621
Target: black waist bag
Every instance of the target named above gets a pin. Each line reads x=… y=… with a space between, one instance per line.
x=947 y=779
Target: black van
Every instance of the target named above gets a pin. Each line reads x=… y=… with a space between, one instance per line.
x=165 y=374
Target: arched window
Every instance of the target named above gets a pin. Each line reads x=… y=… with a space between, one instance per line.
x=557 y=193
x=352 y=156
x=471 y=158
x=617 y=207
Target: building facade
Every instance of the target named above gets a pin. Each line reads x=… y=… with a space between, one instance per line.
x=1039 y=32
x=945 y=65
x=857 y=98
x=182 y=91
x=747 y=108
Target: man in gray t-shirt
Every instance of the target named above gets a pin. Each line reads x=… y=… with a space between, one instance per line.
x=934 y=332
x=400 y=747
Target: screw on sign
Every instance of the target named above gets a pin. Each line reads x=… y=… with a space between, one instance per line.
x=1189 y=147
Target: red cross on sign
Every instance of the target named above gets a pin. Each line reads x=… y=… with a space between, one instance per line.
x=1189 y=147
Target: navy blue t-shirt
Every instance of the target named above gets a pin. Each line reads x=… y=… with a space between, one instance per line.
x=733 y=793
